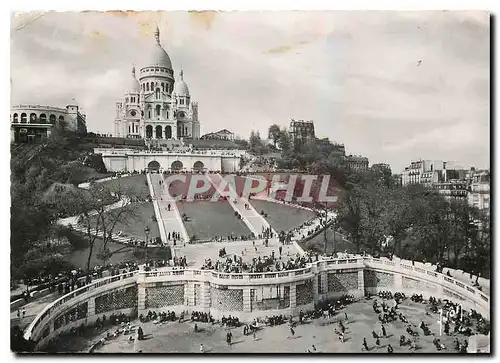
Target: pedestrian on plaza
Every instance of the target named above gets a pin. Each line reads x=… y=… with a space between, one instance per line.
x=18 y=313
x=390 y=349
x=346 y=318
x=254 y=335
x=24 y=312
x=365 y=344
x=292 y=332
x=201 y=348
x=384 y=332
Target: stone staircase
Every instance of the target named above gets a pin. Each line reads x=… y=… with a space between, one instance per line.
x=168 y=220
x=253 y=220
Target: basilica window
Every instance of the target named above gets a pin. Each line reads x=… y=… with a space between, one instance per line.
x=149 y=114
x=147 y=87
x=158 y=93
x=181 y=101
x=163 y=87
x=126 y=99
x=152 y=86
x=16 y=120
x=158 y=110
x=24 y=118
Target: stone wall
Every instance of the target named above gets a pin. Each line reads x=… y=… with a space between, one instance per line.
x=305 y=293
x=76 y=313
x=227 y=299
x=116 y=300
x=380 y=280
x=342 y=282
x=161 y=296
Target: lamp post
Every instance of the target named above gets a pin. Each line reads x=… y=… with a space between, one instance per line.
x=146 y=232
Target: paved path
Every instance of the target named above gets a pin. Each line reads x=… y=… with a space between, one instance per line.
x=171 y=219
x=33 y=308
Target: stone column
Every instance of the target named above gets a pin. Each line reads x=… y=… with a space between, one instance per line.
x=316 y=294
x=361 y=282
x=189 y=294
x=247 y=303
x=91 y=307
x=293 y=296
x=324 y=283
x=205 y=296
x=141 y=292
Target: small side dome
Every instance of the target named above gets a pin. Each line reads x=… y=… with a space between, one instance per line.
x=134 y=86
x=180 y=87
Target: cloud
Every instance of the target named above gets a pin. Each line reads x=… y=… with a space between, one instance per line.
x=353 y=72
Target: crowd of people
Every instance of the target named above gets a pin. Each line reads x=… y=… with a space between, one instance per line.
x=161 y=317
x=272 y=263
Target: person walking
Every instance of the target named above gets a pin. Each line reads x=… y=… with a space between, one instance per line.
x=292 y=332
x=201 y=348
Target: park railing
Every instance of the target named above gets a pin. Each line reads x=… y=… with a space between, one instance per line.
x=324 y=265
x=52 y=309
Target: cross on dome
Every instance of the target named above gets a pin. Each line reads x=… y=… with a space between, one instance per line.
x=157 y=35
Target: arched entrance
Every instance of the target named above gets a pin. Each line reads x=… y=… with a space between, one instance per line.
x=177 y=165
x=198 y=166
x=158 y=132
x=52 y=119
x=149 y=132
x=168 y=132
x=154 y=165
x=43 y=118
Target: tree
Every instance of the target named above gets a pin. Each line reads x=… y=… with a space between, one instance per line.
x=284 y=142
x=255 y=142
x=274 y=134
x=97 y=219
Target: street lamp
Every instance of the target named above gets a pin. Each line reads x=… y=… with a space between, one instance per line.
x=146 y=232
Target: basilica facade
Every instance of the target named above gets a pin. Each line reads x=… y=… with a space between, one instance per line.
x=157 y=105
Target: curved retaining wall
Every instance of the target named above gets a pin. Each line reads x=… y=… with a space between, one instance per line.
x=246 y=295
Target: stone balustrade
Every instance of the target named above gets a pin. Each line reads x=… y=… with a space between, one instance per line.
x=247 y=295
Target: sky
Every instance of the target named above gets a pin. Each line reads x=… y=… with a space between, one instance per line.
x=390 y=85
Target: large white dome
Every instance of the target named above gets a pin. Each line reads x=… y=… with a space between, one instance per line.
x=158 y=57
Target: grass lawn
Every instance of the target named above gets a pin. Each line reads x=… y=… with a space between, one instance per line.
x=135 y=226
x=90 y=173
x=79 y=257
x=211 y=219
x=134 y=184
x=317 y=243
x=282 y=217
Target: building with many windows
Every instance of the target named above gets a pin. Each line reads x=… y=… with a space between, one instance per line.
x=157 y=105
x=301 y=132
x=479 y=190
x=357 y=163
x=33 y=123
x=224 y=134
